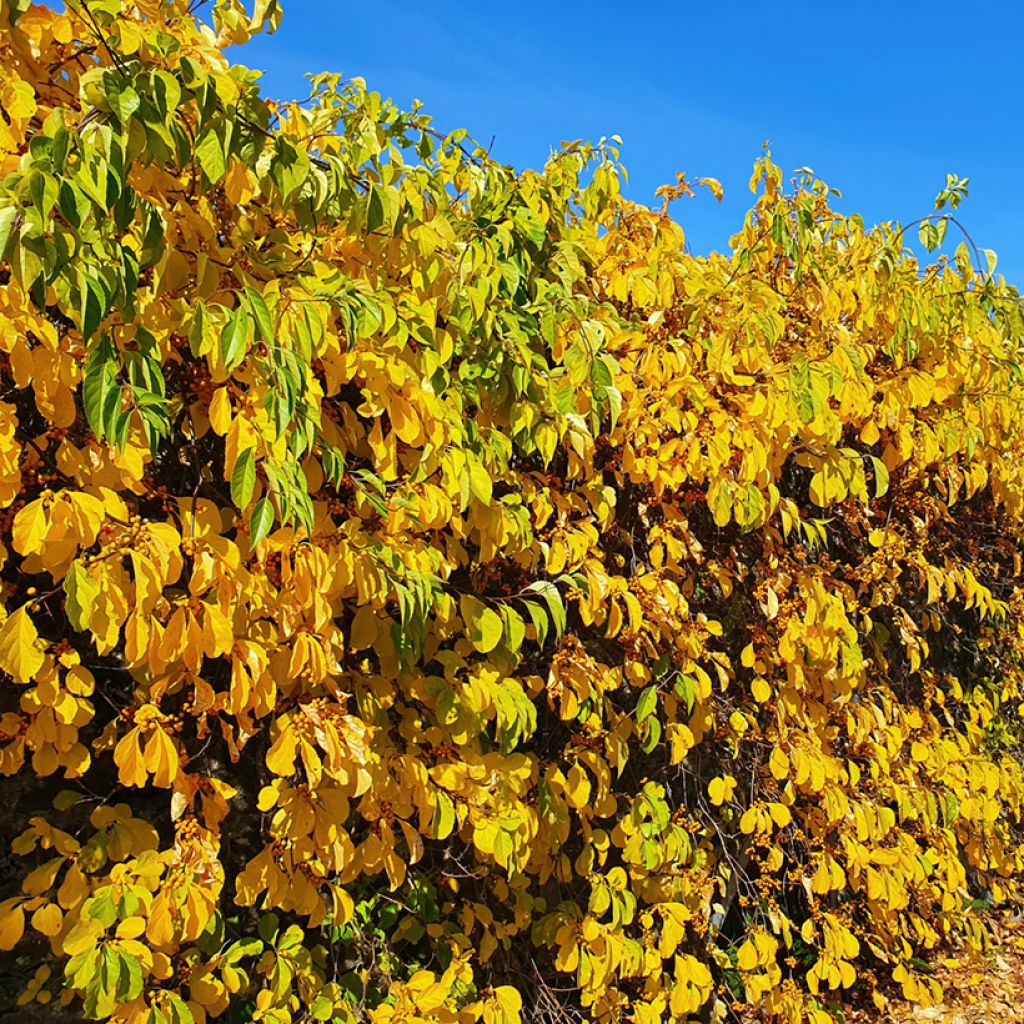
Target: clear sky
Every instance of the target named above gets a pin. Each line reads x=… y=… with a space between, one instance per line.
x=880 y=99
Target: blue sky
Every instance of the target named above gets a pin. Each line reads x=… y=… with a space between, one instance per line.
x=880 y=99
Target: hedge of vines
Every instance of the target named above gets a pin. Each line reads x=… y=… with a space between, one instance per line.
x=431 y=594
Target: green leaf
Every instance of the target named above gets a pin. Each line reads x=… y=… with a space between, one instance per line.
x=539 y=618
x=119 y=432
x=483 y=624
x=260 y=522
x=333 y=462
x=153 y=240
x=234 y=338
x=7 y=215
x=647 y=703
x=111 y=413
x=261 y=314
x=61 y=146
x=123 y=99
x=180 y=1013
x=652 y=735
x=289 y=168
x=531 y=226
x=198 y=329
x=240 y=949
x=268 y=926
x=601 y=372
x=375 y=209
x=101 y=393
x=950 y=807
x=94 y=303
x=808 y=402
x=26 y=261
x=130 y=978
x=513 y=628
x=881 y=476
x=685 y=687
x=549 y=592
x=290 y=938
x=243 y=479
x=101 y=907
x=66 y=799
x=210 y=154
x=321 y=1008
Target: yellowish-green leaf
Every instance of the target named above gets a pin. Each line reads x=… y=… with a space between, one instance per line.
x=483 y=624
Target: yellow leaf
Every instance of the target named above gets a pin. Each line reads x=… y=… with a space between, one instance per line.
x=88 y=513
x=218 y=637
x=577 y=787
x=365 y=627
x=47 y=919
x=479 y=481
x=714 y=185
x=41 y=879
x=19 y=98
x=405 y=420
x=161 y=758
x=281 y=755
x=510 y=1002
x=779 y=764
x=131 y=928
x=681 y=739
x=74 y=889
x=870 y=433
x=12 y=923
x=160 y=925
x=128 y=758
x=747 y=958
x=220 y=411
x=721 y=789
x=876 y=538
x=30 y=528
x=238 y=182
x=20 y=654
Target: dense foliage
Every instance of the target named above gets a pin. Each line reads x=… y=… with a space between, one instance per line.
x=430 y=594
